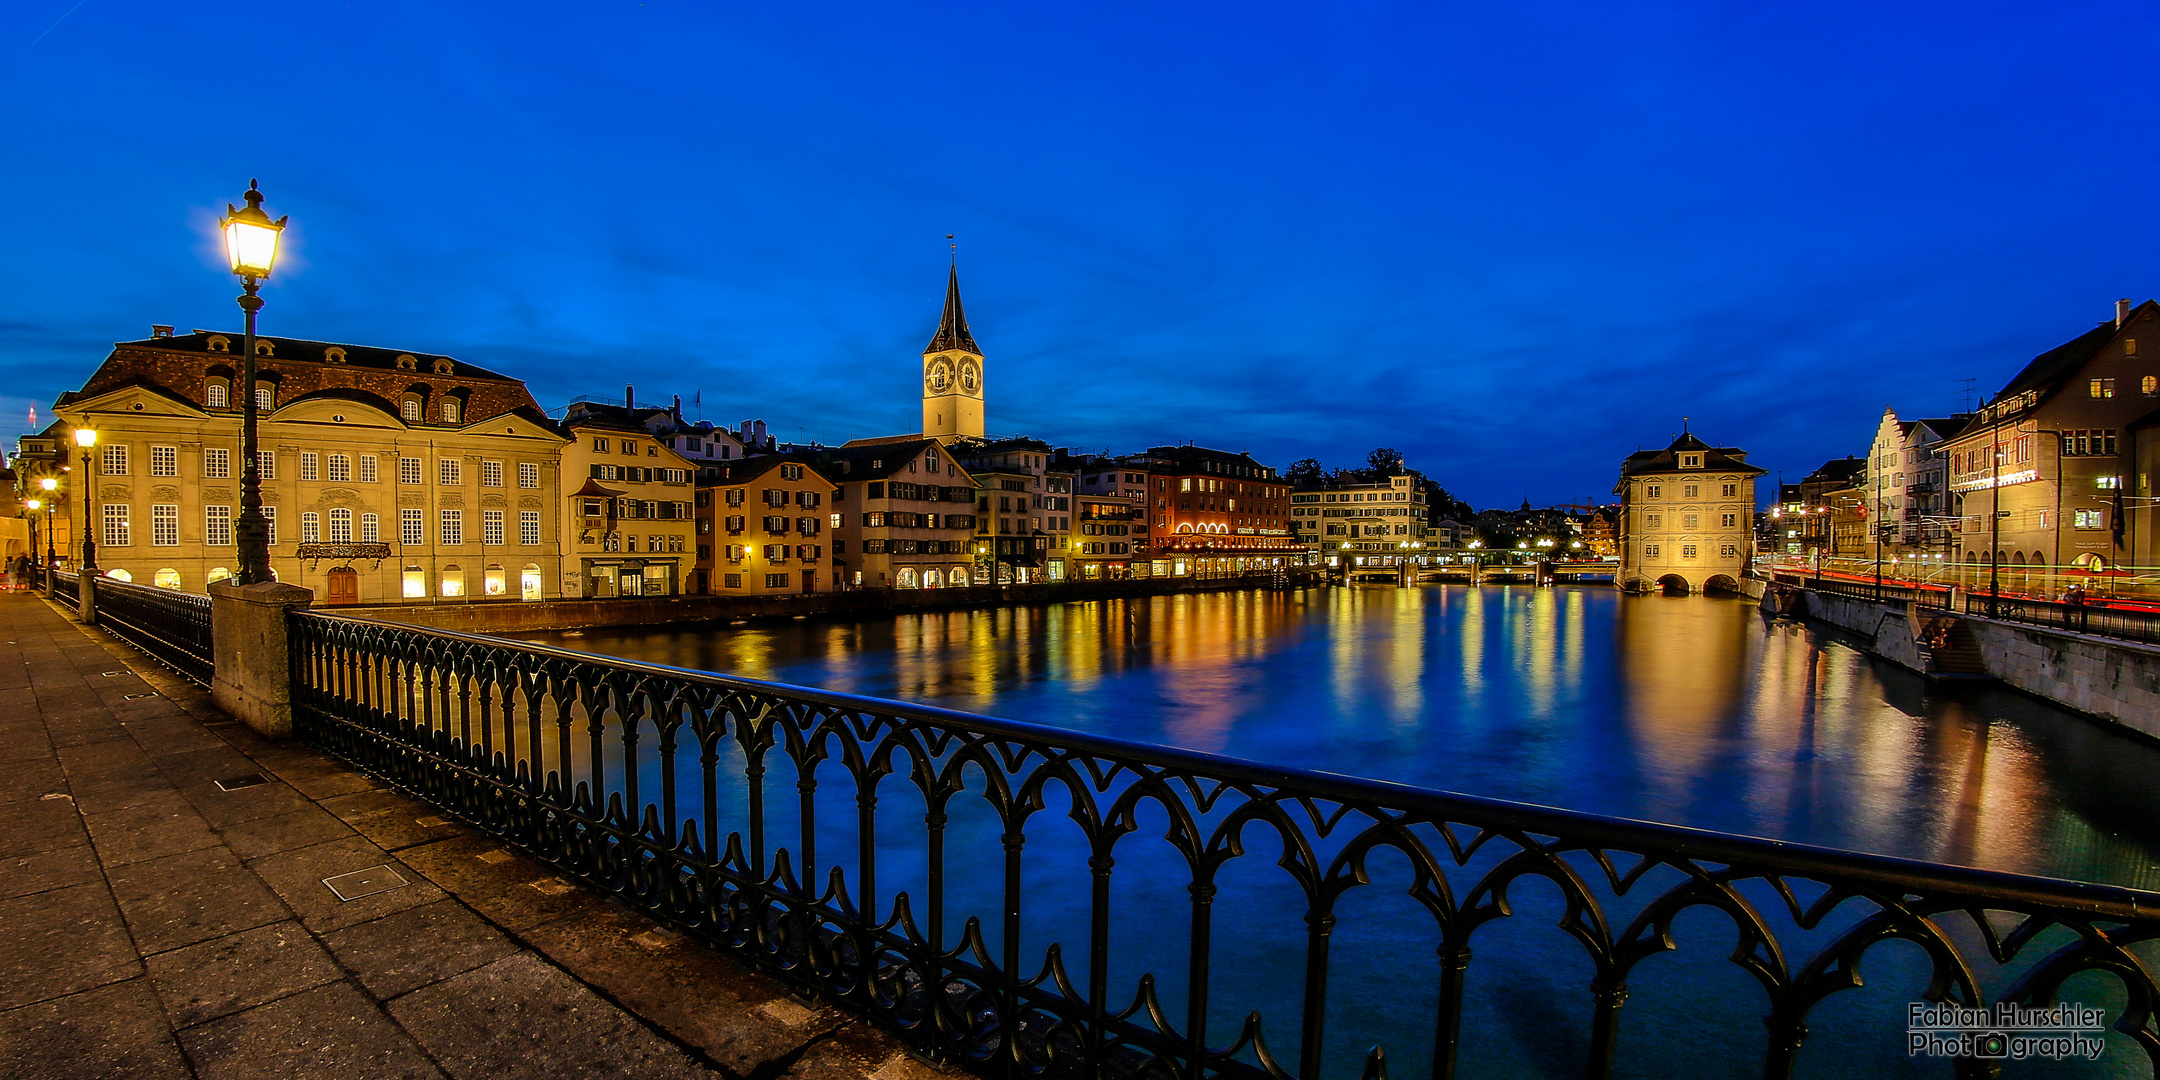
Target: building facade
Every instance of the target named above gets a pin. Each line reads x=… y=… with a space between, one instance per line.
x=2046 y=470
x=1687 y=517
x=765 y=526
x=386 y=475
x=1212 y=511
x=1023 y=508
x=627 y=522
x=903 y=514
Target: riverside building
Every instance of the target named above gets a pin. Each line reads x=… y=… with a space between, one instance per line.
x=903 y=513
x=765 y=526
x=2047 y=469
x=1687 y=517
x=627 y=526
x=1212 y=511
x=386 y=475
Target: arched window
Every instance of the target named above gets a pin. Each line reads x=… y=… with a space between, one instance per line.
x=453 y=580
x=265 y=397
x=958 y=577
x=118 y=574
x=214 y=394
x=410 y=410
x=263 y=347
x=219 y=573
x=341 y=526
x=449 y=411
x=167 y=578
x=907 y=577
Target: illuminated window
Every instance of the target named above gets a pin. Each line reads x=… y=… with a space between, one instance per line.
x=2102 y=388
x=453 y=581
x=217 y=526
x=415 y=581
x=410 y=410
x=214 y=395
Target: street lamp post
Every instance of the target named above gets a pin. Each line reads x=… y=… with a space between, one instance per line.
x=48 y=484
x=51 y=557
x=32 y=504
x=251 y=244
x=85 y=489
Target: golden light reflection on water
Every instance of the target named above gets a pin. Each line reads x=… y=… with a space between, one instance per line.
x=1688 y=710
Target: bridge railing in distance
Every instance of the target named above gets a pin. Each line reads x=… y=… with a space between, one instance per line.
x=172 y=627
x=904 y=861
x=2129 y=624
x=67 y=588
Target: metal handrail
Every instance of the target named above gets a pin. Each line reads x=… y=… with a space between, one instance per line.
x=170 y=626
x=494 y=730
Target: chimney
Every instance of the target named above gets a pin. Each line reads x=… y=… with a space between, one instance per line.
x=160 y=331
x=2122 y=313
x=629 y=396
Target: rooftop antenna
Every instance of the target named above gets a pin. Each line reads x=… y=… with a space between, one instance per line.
x=1968 y=391
x=1683 y=425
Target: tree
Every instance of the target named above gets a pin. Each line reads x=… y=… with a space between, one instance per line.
x=1303 y=471
x=1383 y=462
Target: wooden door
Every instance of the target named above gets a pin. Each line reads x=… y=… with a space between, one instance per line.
x=344 y=586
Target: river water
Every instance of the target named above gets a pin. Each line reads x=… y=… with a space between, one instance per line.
x=1690 y=710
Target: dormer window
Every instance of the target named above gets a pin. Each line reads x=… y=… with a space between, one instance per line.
x=219 y=343
x=215 y=394
x=406 y=362
x=262 y=347
x=1691 y=461
x=443 y=366
x=334 y=355
x=449 y=411
x=410 y=409
x=265 y=397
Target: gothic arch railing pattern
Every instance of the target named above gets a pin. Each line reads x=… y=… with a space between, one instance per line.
x=703 y=799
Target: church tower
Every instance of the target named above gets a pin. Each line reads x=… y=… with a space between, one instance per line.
x=952 y=397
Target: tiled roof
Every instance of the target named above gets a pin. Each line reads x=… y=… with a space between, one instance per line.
x=301 y=349
x=1715 y=459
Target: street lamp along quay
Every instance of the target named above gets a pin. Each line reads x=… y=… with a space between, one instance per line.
x=251 y=247
x=87 y=439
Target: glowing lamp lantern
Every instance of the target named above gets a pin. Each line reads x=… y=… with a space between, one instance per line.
x=251 y=238
x=32 y=504
x=85 y=438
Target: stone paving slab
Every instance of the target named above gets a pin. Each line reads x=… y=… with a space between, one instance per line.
x=157 y=926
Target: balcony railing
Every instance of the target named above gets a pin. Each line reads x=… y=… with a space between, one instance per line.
x=909 y=862
x=173 y=627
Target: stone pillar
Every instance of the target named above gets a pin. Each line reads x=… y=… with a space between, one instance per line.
x=252 y=678
x=87 y=609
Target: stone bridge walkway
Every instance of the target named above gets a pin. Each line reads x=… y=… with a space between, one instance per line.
x=310 y=923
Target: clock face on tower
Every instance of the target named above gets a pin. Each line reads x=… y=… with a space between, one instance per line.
x=969 y=377
x=940 y=377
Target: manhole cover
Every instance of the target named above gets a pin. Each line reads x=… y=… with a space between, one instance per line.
x=135 y=697
x=235 y=783
x=366 y=882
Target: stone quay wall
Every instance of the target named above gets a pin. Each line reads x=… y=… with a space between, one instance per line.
x=2107 y=678
x=513 y=616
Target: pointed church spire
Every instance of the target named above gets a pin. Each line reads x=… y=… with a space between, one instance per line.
x=952 y=331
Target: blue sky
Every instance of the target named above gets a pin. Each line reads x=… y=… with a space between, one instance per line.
x=1517 y=241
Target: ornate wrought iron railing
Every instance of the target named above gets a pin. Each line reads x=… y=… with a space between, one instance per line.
x=1220 y=918
x=173 y=627
x=68 y=588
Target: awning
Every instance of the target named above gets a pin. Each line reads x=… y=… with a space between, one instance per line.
x=592 y=487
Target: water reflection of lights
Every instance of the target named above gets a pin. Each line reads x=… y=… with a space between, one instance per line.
x=1689 y=710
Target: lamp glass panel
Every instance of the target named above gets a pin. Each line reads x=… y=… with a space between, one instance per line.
x=85 y=437
x=250 y=248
